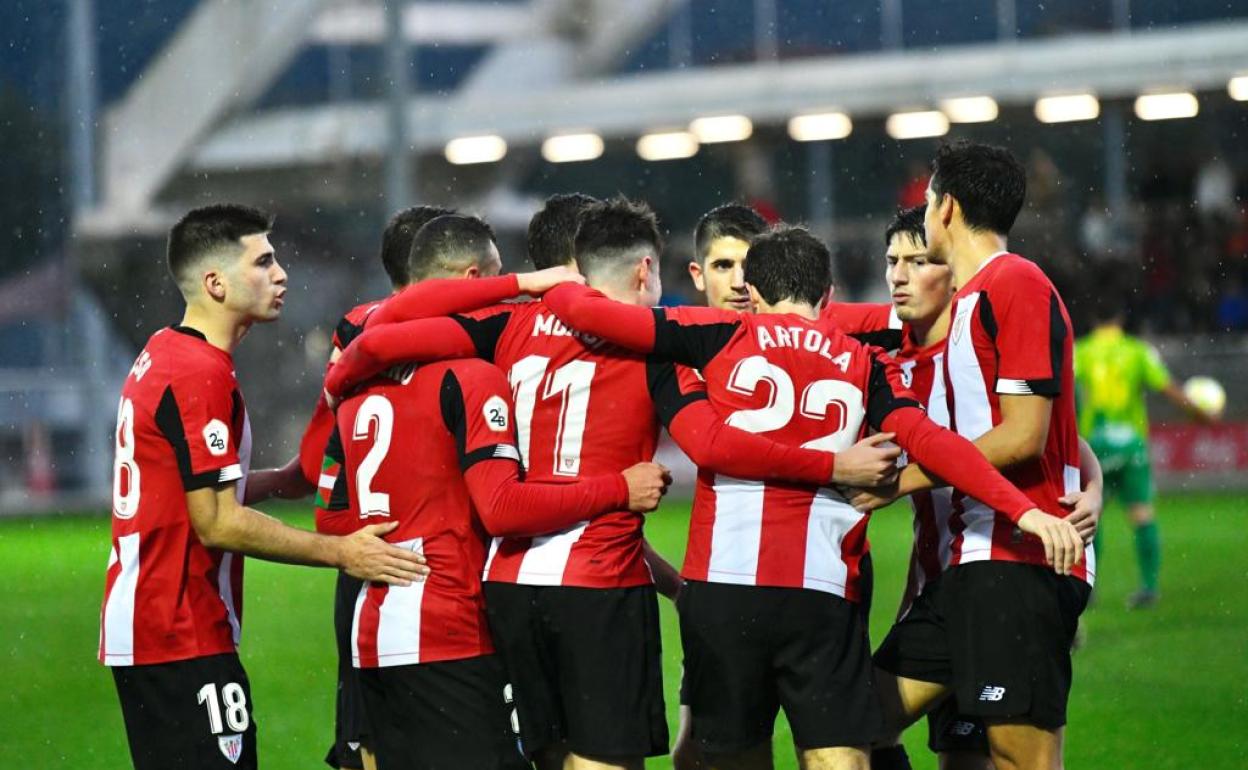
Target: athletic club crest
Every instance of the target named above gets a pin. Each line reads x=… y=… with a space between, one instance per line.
x=231 y=746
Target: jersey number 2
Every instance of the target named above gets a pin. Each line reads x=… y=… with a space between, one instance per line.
x=376 y=419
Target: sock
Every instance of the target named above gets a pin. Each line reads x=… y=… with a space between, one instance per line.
x=1148 y=552
x=890 y=758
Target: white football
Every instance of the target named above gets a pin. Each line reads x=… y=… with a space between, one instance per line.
x=1207 y=394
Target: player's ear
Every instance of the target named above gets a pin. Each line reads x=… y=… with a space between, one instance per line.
x=644 y=266
x=695 y=272
x=948 y=204
x=215 y=283
x=472 y=271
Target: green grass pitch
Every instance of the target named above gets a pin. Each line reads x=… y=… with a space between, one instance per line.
x=1158 y=689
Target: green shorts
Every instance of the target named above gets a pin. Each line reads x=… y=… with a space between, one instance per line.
x=1124 y=461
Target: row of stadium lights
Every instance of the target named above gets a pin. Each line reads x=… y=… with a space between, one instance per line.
x=825 y=126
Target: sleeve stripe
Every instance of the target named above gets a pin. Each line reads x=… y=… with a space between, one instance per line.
x=230 y=473
x=491 y=452
x=1014 y=388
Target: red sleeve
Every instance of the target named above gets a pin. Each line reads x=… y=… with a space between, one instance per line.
x=685 y=335
x=700 y=431
x=444 y=296
x=1023 y=314
x=955 y=460
x=590 y=311
x=196 y=414
x=315 y=435
x=380 y=347
x=679 y=396
x=510 y=507
x=476 y=407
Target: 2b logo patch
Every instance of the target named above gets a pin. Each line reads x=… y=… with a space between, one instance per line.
x=216 y=437
x=496 y=413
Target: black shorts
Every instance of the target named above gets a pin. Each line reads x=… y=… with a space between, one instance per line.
x=350 y=724
x=998 y=634
x=947 y=730
x=444 y=715
x=190 y=714
x=751 y=650
x=585 y=665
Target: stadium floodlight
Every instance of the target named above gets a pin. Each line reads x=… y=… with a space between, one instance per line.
x=1238 y=88
x=1067 y=108
x=566 y=148
x=667 y=145
x=1180 y=104
x=916 y=125
x=820 y=126
x=722 y=128
x=970 y=109
x=475 y=149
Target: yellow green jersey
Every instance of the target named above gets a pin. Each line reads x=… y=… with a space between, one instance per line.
x=1113 y=370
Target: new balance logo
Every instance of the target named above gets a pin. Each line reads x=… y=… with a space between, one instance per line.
x=993 y=694
x=962 y=729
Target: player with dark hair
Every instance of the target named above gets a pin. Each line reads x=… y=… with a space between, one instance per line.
x=434 y=449
x=172 y=611
x=585 y=662
x=998 y=631
x=437 y=297
x=922 y=290
x=778 y=564
x=553 y=229
x=720 y=241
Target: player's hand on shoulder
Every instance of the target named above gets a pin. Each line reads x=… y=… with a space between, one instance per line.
x=871 y=462
x=1063 y=547
x=541 y=281
x=1085 y=512
x=647 y=483
x=365 y=555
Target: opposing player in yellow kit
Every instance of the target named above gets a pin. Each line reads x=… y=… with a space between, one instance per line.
x=1113 y=371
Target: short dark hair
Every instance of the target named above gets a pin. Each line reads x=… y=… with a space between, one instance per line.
x=611 y=232
x=908 y=222
x=207 y=229
x=448 y=243
x=396 y=240
x=787 y=262
x=552 y=231
x=732 y=220
x=988 y=182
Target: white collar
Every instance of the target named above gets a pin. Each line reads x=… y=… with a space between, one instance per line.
x=984 y=264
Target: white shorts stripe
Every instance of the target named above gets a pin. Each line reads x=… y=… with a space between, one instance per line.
x=119 y=609
x=547 y=558
x=737 y=532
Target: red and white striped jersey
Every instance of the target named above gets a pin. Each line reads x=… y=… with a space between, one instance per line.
x=801 y=382
x=583 y=408
x=181 y=426
x=1011 y=335
x=922 y=373
x=317 y=468
x=404 y=443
